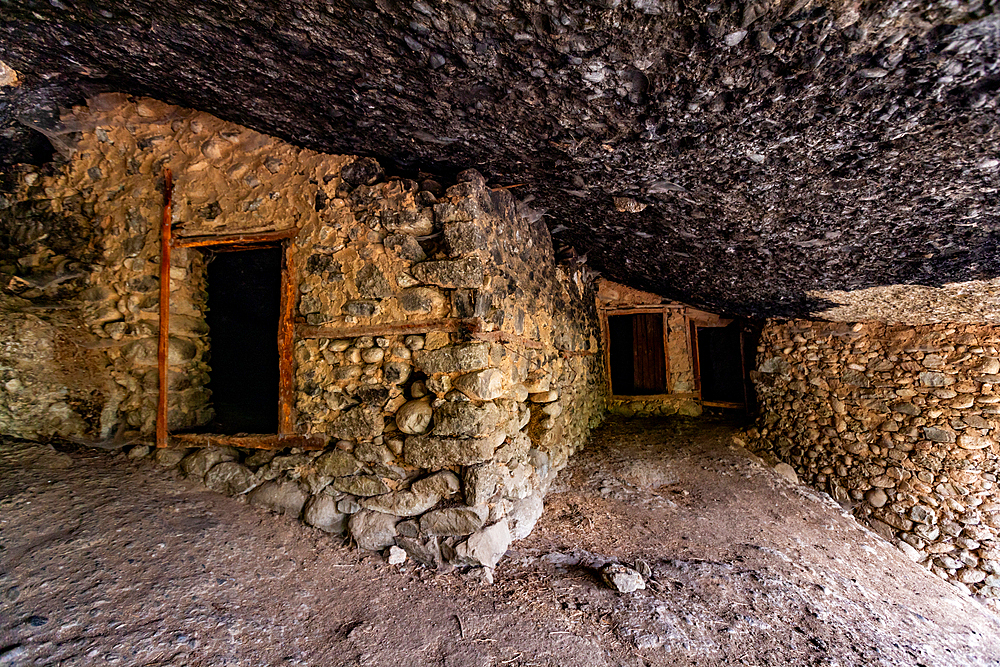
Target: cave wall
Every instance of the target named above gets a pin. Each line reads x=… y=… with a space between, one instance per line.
x=899 y=422
x=449 y=365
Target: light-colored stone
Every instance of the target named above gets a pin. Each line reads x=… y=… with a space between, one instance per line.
x=622 y=579
x=321 y=512
x=466 y=420
x=524 y=514
x=361 y=485
x=481 y=482
x=401 y=503
x=876 y=497
x=337 y=463
x=972 y=441
x=787 y=471
x=465 y=357
x=373 y=531
x=443 y=484
x=397 y=556
x=453 y=521
x=230 y=478
x=484 y=385
x=170 y=458
x=281 y=497
x=486 y=547
x=415 y=416
x=202 y=460
x=544 y=396
x=434 y=453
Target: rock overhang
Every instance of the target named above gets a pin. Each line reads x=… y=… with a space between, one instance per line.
x=752 y=158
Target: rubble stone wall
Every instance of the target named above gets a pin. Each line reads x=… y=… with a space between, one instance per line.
x=899 y=422
x=450 y=364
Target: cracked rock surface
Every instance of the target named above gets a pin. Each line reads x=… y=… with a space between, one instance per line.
x=748 y=157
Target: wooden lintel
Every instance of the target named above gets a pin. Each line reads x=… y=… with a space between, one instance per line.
x=450 y=325
x=249 y=239
x=248 y=441
x=163 y=335
x=703 y=319
x=639 y=309
x=724 y=404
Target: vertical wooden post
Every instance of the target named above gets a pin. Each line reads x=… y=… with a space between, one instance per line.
x=163 y=341
x=286 y=341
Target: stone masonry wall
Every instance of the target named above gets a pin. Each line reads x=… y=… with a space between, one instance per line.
x=442 y=438
x=899 y=422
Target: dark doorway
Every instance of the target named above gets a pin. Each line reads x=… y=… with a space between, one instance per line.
x=244 y=299
x=637 y=358
x=720 y=361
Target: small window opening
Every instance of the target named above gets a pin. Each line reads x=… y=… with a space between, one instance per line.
x=720 y=361
x=244 y=299
x=637 y=358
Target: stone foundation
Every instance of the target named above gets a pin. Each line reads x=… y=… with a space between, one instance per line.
x=899 y=422
x=448 y=363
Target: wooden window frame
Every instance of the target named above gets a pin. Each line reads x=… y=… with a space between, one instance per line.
x=606 y=335
x=286 y=435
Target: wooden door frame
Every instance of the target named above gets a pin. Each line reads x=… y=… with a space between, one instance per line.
x=286 y=435
x=694 y=324
x=664 y=311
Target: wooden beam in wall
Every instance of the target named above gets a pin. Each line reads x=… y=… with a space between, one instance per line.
x=286 y=343
x=248 y=441
x=163 y=335
x=243 y=241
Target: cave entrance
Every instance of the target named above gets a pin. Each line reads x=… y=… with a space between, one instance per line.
x=719 y=365
x=244 y=306
x=637 y=354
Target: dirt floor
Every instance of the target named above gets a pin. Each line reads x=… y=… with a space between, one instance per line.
x=106 y=560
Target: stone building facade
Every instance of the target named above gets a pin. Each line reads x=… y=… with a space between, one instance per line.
x=898 y=422
x=443 y=366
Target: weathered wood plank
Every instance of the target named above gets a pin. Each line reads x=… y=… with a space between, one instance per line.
x=286 y=343
x=163 y=336
x=250 y=239
x=248 y=440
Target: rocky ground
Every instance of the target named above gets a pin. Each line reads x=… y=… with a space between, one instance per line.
x=108 y=560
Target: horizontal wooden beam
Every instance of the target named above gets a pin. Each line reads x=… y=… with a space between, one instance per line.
x=638 y=310
x=249 y=239
x=707 y=320
x=248 y=441
x=723 y=404
x=451 y=325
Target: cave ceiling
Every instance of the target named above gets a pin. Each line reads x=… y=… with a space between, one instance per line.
x=770 y=158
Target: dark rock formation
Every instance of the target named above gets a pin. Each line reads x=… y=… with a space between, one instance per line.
x=733 y=155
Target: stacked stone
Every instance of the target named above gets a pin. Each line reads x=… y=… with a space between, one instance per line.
x=900 y=422
x=442 y=440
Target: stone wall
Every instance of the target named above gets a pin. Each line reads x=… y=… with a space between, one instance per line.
x=449 y=363
x=899 y=422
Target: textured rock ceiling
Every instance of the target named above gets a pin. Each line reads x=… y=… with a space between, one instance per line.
x=782 y=149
